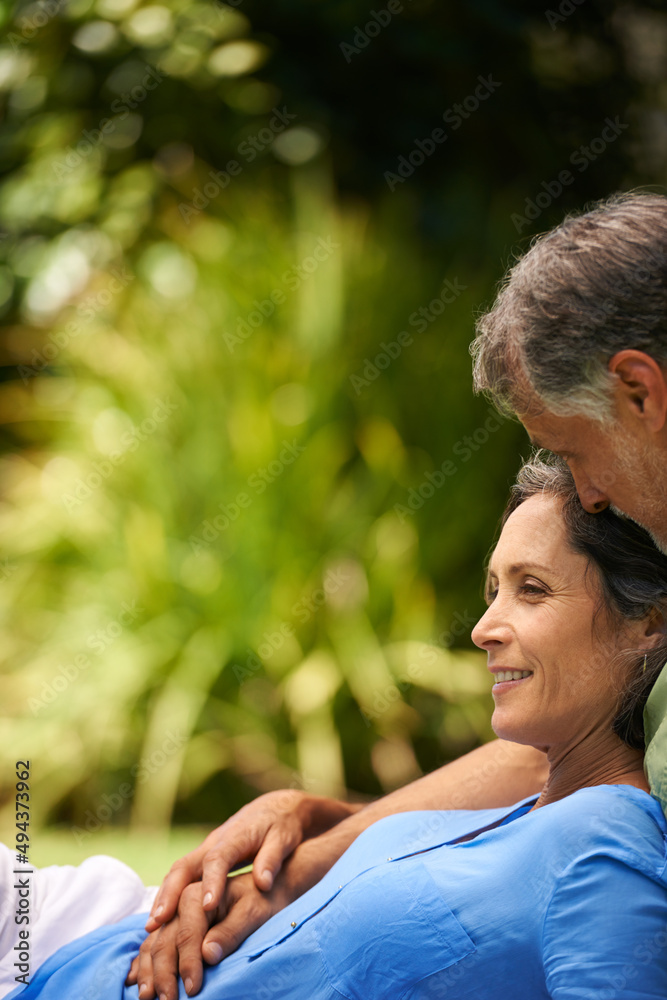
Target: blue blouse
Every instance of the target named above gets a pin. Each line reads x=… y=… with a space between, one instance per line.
x=568 y=901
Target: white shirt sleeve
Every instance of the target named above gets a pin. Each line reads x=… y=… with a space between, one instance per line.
x=65 y=902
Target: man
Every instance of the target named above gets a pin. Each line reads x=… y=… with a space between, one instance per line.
x=576 y=347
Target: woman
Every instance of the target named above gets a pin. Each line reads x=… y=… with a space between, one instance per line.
x=563 y=896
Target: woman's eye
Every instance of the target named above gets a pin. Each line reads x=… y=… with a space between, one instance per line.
x=532 y=589
x=491 y=595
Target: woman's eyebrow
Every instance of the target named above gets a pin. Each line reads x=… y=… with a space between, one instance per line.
x=518 y=567
x=521 y=567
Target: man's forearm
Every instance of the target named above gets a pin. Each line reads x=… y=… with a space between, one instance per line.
x=496 y=774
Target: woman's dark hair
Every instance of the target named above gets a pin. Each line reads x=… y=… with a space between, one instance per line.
x=632 y=574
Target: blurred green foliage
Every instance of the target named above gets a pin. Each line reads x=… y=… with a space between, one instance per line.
x=247 y=492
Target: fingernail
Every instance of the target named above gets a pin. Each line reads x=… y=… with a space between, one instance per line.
x=207 y=898
x=188 y=985
x=142 y=989
x=157 y=913
x=163 y=996
x=213 y=952
x=266 y=874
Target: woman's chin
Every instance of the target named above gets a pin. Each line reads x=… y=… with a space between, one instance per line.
x=501 y=727
x=507 y=728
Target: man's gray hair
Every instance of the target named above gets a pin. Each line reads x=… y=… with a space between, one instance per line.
x=593 y=286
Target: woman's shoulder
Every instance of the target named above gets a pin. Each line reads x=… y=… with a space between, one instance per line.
x=617 y=821
x=620 y=803
x=603 y=932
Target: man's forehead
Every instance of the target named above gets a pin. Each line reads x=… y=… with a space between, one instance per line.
x=555 y=433
x=548 y=443
x=544 y=431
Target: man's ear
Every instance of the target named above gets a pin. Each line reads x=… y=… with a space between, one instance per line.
x=641 y=385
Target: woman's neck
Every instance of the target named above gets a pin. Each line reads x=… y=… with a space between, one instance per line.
x=599 y=759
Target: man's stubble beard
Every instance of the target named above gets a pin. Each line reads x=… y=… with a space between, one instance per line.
x=646 y=470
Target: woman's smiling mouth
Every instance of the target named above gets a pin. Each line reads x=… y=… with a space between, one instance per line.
x=505 y=679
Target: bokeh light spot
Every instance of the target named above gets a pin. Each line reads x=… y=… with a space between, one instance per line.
x=297 y=145
x=95 y=36
x=170 y=272
x=235 y=58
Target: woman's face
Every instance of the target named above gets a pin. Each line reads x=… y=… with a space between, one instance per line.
x=540 y=622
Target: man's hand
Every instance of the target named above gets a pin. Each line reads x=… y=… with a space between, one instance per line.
x=265 y=832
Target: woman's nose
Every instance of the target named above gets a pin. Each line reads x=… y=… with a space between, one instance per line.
x=491 y=629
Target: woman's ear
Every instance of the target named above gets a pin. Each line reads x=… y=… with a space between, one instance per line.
x=655 y=629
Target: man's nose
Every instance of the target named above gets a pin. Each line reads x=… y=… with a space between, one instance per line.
x=593 y=499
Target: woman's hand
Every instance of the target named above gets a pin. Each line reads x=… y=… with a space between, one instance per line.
x=178 y=946
x=174 y=948
x=265 y=832
x=195 y=933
